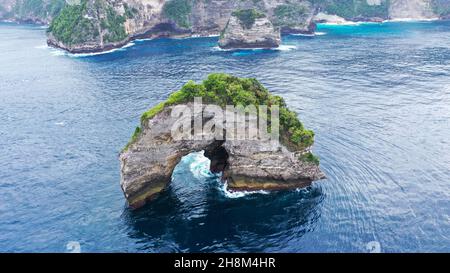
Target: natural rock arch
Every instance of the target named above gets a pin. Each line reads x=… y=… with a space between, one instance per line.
x=147 y=163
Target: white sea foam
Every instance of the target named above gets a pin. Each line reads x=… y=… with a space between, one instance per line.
x=285 y=47
x=42 y=47
x=56 y=51
x=309 y=35
x=346 y=23
x=203 y=36
x=412 y=20
x=350 y=23
x=280 y=48
x=238 y=194
x=303 y=34
x=199 y=166
x=77 y=55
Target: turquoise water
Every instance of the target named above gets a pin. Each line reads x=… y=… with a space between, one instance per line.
x=377 y=96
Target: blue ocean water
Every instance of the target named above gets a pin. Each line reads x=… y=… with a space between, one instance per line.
x=377 y=96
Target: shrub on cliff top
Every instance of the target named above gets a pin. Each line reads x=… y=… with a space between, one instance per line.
x=72 y=26
x=289 y=14
x=178 y=11
x=353 y=8
x=114 y=23
x=309 y=157
x=224 y=89
x=247 y=17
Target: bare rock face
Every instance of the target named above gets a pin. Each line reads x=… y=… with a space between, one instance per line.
x=322 y=17
x=411 y=9
x=250 y=30
x=266 y=165
x=148 y=161
x=147 y=165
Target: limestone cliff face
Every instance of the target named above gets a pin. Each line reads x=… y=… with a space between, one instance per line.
x=246 y=163
x=259 y=33
x=147 y=165
x=412 y=9
x=156 y=18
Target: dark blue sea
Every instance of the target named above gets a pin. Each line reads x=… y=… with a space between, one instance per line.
x=377 y=96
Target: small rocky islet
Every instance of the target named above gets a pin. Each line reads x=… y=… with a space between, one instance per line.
x=83 y=26
x=148 y=160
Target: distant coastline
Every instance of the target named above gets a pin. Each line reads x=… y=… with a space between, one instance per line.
x=131 y=42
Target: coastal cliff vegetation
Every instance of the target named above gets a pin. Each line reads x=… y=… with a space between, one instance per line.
x=178 y=11
x=353 y=8
x=77 y=24
x=247 y=17
x=289 y=14
x=71 y=27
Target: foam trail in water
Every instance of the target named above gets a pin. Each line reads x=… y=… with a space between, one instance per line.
x=42 y=47
x=199 y=165
x=130 y=44
x=280 y=48
x=223 y=187
x=412 y=20
x=59 y=52
x=285 y=48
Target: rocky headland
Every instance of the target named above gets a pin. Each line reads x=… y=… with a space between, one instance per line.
x=99 y=25
x=147 y=162
x=82 y=26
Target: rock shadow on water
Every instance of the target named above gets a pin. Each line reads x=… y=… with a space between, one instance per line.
x=194 y=215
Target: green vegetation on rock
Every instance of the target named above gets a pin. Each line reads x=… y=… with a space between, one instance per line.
x=129 y=12
x=178 y=11
x=134 y=137
x=223 y=89
x=247 y=17
x=309 y=157
x=353 y=8
x=78 y=24
x=114 y=23
x=289 y=14
x=71 y=27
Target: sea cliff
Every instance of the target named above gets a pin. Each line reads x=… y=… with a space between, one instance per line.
x=98 y=25
x=148 y=160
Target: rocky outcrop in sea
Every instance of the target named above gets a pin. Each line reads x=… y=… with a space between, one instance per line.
x=249 y=29
x=149 y=159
